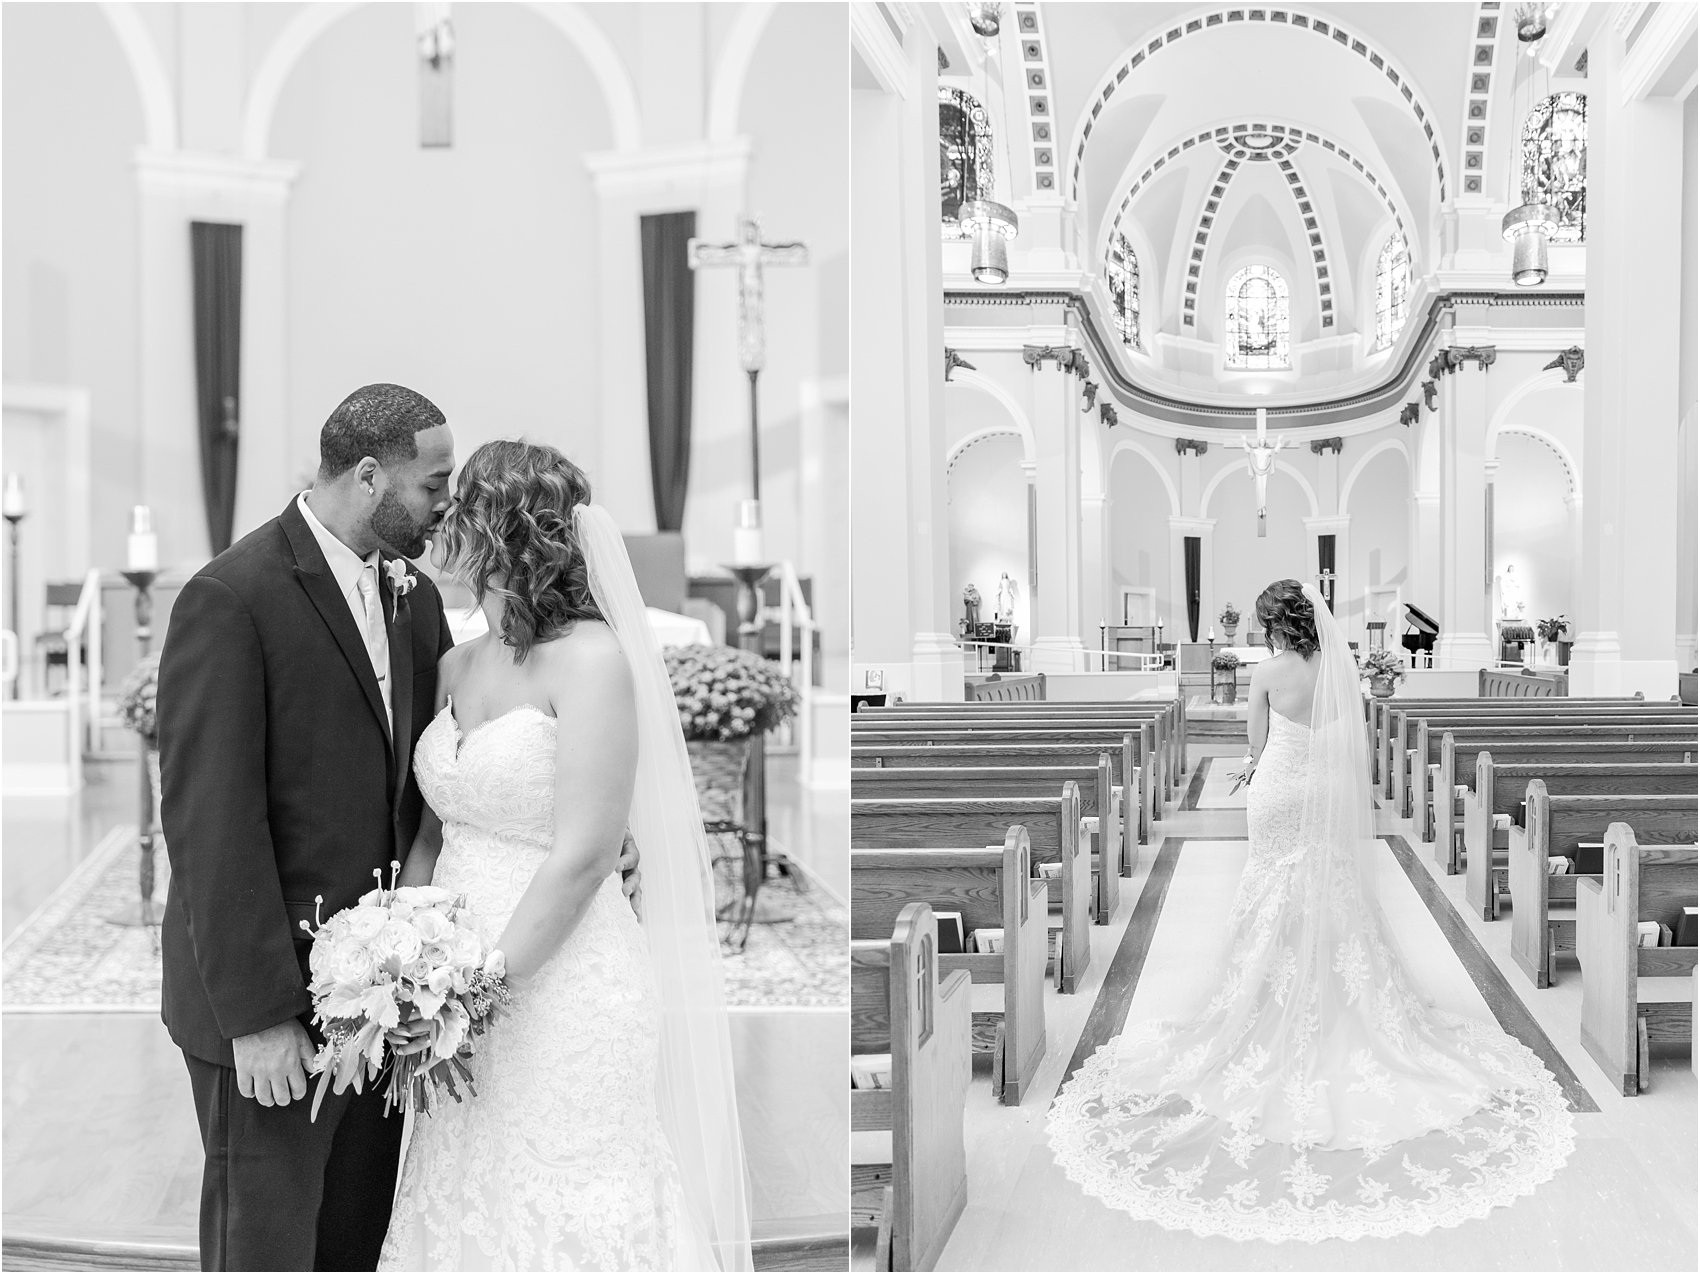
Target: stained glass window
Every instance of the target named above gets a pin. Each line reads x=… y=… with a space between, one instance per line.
x=1392 y=289
x=1257 y=318
x=1555 y=161
x=965 y=155
x=1121 y=273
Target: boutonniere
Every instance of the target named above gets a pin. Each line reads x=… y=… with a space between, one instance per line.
x=402 y=580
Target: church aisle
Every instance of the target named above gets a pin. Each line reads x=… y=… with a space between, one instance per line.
x=1630 y=1175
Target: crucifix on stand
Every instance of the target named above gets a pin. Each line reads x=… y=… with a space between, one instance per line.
x=749 y=254
x=749 y=563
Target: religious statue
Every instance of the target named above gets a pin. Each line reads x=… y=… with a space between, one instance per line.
x=1260 y=459
x=1006 y=600
x=1510 y=595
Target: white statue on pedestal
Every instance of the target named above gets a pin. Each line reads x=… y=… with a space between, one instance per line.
x=1006 y=600
x=1510 y=595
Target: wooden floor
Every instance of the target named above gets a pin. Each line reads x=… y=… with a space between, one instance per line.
x=1626 y=1199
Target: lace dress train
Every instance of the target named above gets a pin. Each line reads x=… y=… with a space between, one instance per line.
x=560 y=1161
x=1316 y=1097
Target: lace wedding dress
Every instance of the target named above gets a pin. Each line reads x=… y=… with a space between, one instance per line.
x=1316 y=1096
x=560 y=1161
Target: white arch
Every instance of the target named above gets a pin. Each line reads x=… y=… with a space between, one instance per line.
x=1572 y=474
x=1386 y=444
x=979 y=435
x=979 y=380
x=153 y=86
x=1281 y=465
x=1139 y=449
x=731 y=68
x=313 y=20
x=1545 y=379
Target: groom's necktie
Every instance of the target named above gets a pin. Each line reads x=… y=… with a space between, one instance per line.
x=377 y=636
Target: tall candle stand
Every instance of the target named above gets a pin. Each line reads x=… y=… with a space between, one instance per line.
x=145 y=911
x=15 y=512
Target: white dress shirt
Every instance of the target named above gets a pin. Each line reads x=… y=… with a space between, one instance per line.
x=347 y=567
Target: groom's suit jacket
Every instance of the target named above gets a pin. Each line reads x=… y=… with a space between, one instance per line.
x=280 y=782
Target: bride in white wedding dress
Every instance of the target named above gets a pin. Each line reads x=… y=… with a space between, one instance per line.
x=604 y=1133
x=1316 y=1096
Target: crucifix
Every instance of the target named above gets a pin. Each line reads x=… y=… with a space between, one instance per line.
x=1260 y=459
x=749 y=254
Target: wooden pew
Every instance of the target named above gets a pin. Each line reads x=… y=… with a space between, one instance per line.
x=1468 y=731
x=1126 y=784
x=1053 y=829
x=1383 y=712
x=1101 y=809
x=901 y=1004
x=1460 y=767
x=1138 y=746
x=1399 y=716
x=1170 y=714
x=1497 y=683
x=1543 y=907
x=1632 y=996
x=992 y=888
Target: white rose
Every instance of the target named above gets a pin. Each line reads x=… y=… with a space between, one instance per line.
x=431 y=926
x=466 y=949
x=352 y=964
x=400 y=941
x=364 y=923
x=441 y=980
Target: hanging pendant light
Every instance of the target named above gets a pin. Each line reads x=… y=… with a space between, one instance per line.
x=1528 y=229
x=991 y=226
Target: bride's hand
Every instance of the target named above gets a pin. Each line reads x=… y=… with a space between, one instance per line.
x=631 y=878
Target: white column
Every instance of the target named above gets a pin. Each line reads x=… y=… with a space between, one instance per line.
x=1057 y=645
x=1096 y=607
x=711 y=178
x=175 y=188
x=1425 y=551
x=1465 y=639
x=1630 y=414
x=1179 y=530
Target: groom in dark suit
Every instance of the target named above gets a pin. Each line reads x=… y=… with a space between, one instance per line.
x=299 y=669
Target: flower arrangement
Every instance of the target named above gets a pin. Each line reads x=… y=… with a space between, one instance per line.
x=1551 y=629
x=1225 y=661
x=137 y=700
x=1230 y=616
x=1381 y=662
x=726 y=693
x=401 y=983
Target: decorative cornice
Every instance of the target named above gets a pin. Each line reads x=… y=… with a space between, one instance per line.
x=1410 y=413
x=188 y=172
x=1090 y=390
x=1345 y=409
x=1430 y=390
x=1107 y=413
x=1319 y=445
x=1197 y=446
x=1478 y=98
x=1062 y=355
x=1571 y=360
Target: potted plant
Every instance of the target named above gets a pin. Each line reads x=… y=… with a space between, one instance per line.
x=1230 y=621
x=727 y=699
x=1551 y=632
x=1384 y=668
x=1224 y=677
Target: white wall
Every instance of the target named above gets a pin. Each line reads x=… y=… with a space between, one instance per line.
x=1139 y=534
x=988 y=527
x=1532 y=526
x=1244 y=564
x=1379 y=506
x=462 y=273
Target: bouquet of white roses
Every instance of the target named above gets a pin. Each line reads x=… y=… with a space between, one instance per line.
x=400 y=983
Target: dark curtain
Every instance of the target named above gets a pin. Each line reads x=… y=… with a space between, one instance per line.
x=1192 y=546
x=1325 y=568
x=216 y=256
x=669 y=311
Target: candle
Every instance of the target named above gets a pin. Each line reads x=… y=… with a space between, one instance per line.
x=143 y=543
x=1212 y=632
x=746 y=535
x=12 y=504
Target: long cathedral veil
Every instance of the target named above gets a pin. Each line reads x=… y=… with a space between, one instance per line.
x=1338 y=808
x=696 y=1097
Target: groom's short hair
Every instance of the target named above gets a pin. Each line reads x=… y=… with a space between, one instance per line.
x=377 y=421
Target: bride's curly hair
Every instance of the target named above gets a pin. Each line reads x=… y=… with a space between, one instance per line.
x=1283 y=608
x=510 y=534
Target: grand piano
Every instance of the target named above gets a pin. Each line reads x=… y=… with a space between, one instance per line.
x=1421 y=640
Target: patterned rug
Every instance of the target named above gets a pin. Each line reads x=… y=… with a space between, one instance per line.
x=68 y=958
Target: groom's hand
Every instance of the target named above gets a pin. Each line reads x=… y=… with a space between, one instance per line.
x=631 y=880
x=271 y=1065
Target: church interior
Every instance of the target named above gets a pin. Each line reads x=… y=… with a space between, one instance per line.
x=1397 y=300
x=220 y=219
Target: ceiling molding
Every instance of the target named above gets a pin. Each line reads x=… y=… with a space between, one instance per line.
x=873 y=38
x=1478 y=98
x=1041 y=140
x=1130 y=60
x=1661 y=40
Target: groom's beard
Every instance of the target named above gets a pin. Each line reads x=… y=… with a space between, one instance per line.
x=392 y=524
